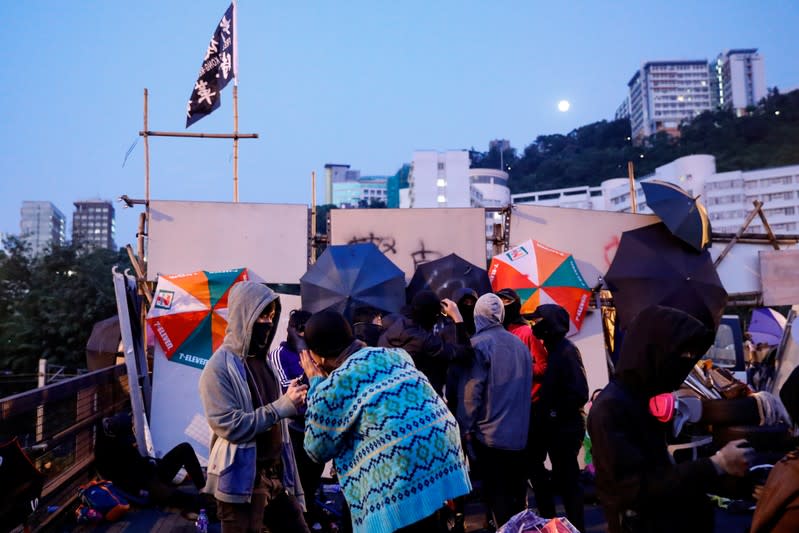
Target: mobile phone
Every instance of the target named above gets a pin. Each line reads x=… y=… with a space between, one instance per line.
x=302 y=380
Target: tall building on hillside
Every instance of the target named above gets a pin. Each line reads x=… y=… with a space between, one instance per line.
x=93 y=224
x=439 y=179
x=42 y=225
x=623 y=111
x=740 y=79
x=663 y=94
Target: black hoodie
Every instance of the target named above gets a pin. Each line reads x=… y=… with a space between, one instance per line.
x=564 y=389
x=633 y=467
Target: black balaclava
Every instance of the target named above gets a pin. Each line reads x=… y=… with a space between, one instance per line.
x=465 y=298
x=259 y=339
x=551 y=324
x=426 y=309
x=659 y=350
x=513 y=309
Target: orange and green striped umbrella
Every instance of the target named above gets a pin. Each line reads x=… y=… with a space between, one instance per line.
x=540 y=274
x=189 y=313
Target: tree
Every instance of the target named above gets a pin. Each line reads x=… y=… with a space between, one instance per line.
x=51 y=302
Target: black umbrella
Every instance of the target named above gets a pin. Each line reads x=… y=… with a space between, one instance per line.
x=346 y=277
x=446 y=275
x=685 y=217
x=652 y=267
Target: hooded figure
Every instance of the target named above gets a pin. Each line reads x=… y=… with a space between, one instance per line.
x=414 y=334
x=557 y=419
x=516 y=324
x=494 y=408
x=639 y=487
x=251 y=458
x=367 y=325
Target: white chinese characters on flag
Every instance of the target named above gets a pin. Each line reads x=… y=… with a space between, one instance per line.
x=218 y=68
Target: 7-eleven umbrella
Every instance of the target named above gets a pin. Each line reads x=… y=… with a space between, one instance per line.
x=542 y=275
x=189 y=313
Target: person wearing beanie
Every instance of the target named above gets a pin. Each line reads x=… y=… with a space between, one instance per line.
x=393 y=441
x=494 y=408
x=639 y=487
x=251 y=468
x=414 y=333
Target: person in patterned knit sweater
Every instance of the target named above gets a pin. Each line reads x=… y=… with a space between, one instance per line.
x=395 y=445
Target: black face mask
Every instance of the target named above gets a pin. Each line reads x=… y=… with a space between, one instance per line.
x=259 y=337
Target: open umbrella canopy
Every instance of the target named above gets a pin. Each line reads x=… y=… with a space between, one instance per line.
x=766 y=326
x=446 y=275
x=652 y=267
x=189 y=313
x=349 y=276
x=540 y=275
x=685 y=217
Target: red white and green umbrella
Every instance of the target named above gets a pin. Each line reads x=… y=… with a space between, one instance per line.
x=189 y=313
x=540 y=275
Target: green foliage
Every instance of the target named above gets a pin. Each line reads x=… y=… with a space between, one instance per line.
x=48 y=304
x=766 y=137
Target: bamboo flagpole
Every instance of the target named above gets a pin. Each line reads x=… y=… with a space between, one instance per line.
x=235 y=102
x=219 y=66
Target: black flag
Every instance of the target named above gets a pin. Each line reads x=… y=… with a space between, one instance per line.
x=219 y=67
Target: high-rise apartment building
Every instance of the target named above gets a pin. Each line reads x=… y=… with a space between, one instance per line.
x=42 y=225
x=93 y=224
x=663 y=94
x=739 y=79
x=439 y=179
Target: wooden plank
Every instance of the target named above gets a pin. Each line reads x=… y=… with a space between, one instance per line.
x=779 y=270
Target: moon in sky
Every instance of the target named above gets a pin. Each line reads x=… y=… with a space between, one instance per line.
x=563 y=106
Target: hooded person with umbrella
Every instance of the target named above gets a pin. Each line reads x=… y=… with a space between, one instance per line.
x=639 y=487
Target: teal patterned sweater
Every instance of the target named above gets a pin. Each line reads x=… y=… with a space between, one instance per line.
x=393 y=441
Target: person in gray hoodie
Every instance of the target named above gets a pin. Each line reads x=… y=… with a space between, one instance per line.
x=494 y=409
x=251 y=468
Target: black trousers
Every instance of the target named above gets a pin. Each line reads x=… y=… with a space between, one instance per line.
x=562 y=444
x=181 y=456
x=504 y=480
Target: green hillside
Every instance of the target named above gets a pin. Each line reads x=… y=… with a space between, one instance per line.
x=767 y=137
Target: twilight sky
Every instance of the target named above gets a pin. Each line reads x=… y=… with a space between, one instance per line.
x=357 y=82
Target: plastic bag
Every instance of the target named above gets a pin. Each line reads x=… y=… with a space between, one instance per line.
x=529 y=522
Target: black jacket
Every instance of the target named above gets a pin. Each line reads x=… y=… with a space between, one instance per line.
x=634 y=473
x=564 y=388
x=431 y=354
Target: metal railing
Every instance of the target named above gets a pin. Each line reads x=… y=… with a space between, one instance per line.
x=56 y=427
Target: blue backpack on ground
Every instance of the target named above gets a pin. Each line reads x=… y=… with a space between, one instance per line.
x=104 y=498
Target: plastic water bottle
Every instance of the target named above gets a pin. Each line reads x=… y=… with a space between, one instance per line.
x=202 y=522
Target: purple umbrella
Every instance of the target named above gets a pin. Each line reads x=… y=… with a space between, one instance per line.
x=766 y=326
